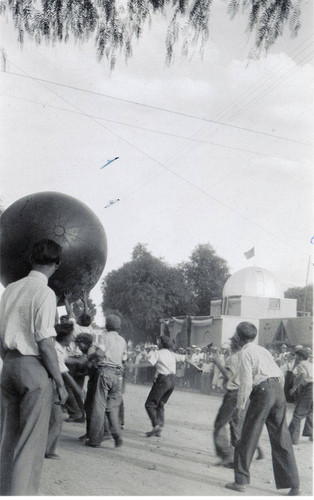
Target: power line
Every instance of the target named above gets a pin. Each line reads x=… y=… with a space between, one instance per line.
x=188 y=146
x=159 y=108
x=155 y=131
x=252 y=101
x=175 y=173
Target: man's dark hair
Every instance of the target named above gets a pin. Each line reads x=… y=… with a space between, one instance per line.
x=246 y=331
x=86 y=338
x=166 y=342
x=84 y=319
x=63 y=331
x=45 y=252
x=113 y=323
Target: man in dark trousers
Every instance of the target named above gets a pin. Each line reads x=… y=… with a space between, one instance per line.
x=27 y=317
x=164 y=361
x=230 y=372
x=261 y=380
x=105 y=388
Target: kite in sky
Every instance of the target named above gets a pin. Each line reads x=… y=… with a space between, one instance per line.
x=112 y=202
x=110 y=161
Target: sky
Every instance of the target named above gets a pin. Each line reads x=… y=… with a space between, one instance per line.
x=216 y=148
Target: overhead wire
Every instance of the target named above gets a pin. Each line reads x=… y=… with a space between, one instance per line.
x=176 y=174
x=150 y=175
x=188 y=146
x=183 y=150
x=154 y=131
x=179 y=113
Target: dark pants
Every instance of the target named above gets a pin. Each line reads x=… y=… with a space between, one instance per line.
x=225 y=417
x=26 y=393
x=74 y=405
x=267 y=406
x=303 y=409
x=104 y=396
x=158 y=397
x=206 y=382
x=55 y=425
x=107 y=428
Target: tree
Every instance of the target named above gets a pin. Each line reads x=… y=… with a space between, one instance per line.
x=304 y=296
x=205 y=274
x=145 y=290
x=115 y=24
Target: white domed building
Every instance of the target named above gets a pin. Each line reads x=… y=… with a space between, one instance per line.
x=251 y=294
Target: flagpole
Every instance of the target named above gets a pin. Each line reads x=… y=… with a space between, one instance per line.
x=306 y=283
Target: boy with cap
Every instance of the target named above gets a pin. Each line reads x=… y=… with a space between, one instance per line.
x=105 y=391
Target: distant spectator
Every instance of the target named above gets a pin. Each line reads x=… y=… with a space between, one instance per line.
x=303 y=383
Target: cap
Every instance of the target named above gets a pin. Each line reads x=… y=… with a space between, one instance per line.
x=304 y=353
x=113 y=322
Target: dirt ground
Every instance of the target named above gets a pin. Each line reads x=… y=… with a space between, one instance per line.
x=180 y=462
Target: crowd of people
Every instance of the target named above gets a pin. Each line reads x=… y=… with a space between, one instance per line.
x=203 y=375
x=55 y=366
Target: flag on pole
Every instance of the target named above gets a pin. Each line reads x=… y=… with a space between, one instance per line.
x=250 y=253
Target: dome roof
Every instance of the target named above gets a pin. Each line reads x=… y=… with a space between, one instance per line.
x=253 y=282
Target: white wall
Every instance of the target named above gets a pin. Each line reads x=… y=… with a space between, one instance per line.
x=259 y=307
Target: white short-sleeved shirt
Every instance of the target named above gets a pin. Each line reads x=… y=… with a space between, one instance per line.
x=164 y=361
x=27 y=313
x=115 y=349
x=256 y=365
x=61 y=355
x=232 y=367
x=304 y=368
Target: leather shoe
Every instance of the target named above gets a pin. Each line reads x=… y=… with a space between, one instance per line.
x=154 y=432
x=294 y=492
x=236 y=487
x=118 y=442
x=228 y=465
x=52 y=456
x=92 y=445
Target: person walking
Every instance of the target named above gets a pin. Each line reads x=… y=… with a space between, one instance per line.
x=164 y=361
x=27 y=316
x=261 y=380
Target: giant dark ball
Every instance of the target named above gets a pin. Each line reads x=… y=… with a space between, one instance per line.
x=65 y=220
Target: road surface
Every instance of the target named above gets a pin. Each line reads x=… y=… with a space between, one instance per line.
x=180 y=462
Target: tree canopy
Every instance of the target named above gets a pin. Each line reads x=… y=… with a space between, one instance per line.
x=147 y=289
x=205 y=273
x=304 y=296
x=114 y=24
